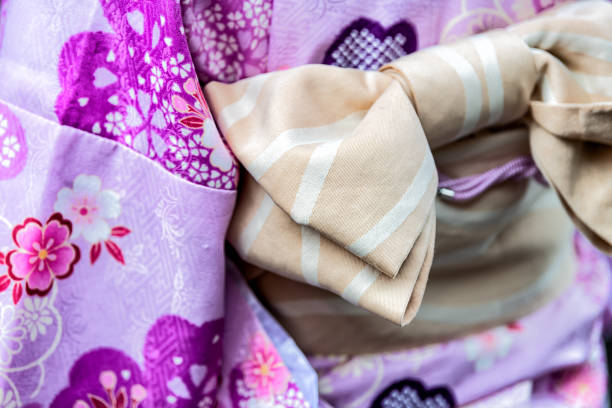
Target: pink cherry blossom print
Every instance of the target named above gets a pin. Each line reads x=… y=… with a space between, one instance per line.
x=264 y=370
x=582 y=386
x=13 y=147
x=124 y=87
x=89 y=208
x=44 y=253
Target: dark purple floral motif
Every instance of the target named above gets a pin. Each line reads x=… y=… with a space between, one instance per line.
x=13 y=147
x=365 y=44
x=228 y=39
x=120 y=86
x=413 y=394
x=182 y=363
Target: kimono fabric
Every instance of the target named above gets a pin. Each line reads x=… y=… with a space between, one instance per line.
x=117 y=190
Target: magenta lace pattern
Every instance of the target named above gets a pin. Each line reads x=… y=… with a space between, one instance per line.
x=137 y=86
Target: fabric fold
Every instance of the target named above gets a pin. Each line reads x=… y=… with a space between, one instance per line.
x=342 y=182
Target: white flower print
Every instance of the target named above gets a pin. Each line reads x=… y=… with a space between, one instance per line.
x=179 y=67
x=3 y=125
x=114 y=123
x=88 y=207
x=216 y=62
x=253 y=8
x=36 y=316
x=9 y=149
x=198 y=172
x=213 y=14
x=228 y=44
x=209 y=35
x=261 y=22
x=219 y=156
x=168 y=111
x=156 y=79
x=7 y=399
x=487 y=348
x=206 y=402
x=178 y=147
x=12 y=334
x=233 y=71
x=235 y=20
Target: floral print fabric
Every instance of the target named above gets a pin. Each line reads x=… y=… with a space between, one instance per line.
x=112 y=273
x=227 y=38
x=479 y=369
x=124 y=90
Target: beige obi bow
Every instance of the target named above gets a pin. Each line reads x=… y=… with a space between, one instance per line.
x=340 y=184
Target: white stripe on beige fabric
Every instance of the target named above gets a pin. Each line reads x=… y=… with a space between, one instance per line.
x=244 y=106
x=250 y=233
x=360 y=283
x=495 y=86
x=298 y=137
x=312 y=181
x=399 y=213
x=311 y=243
x=471 y=86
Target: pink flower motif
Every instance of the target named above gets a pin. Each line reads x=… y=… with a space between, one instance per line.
x=117 y=399
x=44 y=253
x=198 y=114
x=582 y=386
x=201 y=118
x=264 y=370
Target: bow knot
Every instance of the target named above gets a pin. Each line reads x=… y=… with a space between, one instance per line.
x=340 y=182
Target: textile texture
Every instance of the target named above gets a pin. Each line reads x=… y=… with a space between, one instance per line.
x=119 y=184
x=324 y=145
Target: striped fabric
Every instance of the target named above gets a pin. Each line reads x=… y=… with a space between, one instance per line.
x=340 y=184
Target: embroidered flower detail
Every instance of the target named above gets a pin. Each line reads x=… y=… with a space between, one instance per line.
x=36 y=316
x=43 y=255
x=12 y=334
x=264 y=370
x=89 y=207
x=116 y=398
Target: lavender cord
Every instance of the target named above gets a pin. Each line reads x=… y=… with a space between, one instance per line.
x=467 y=188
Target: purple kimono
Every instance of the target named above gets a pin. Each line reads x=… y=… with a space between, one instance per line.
x=116 y=191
